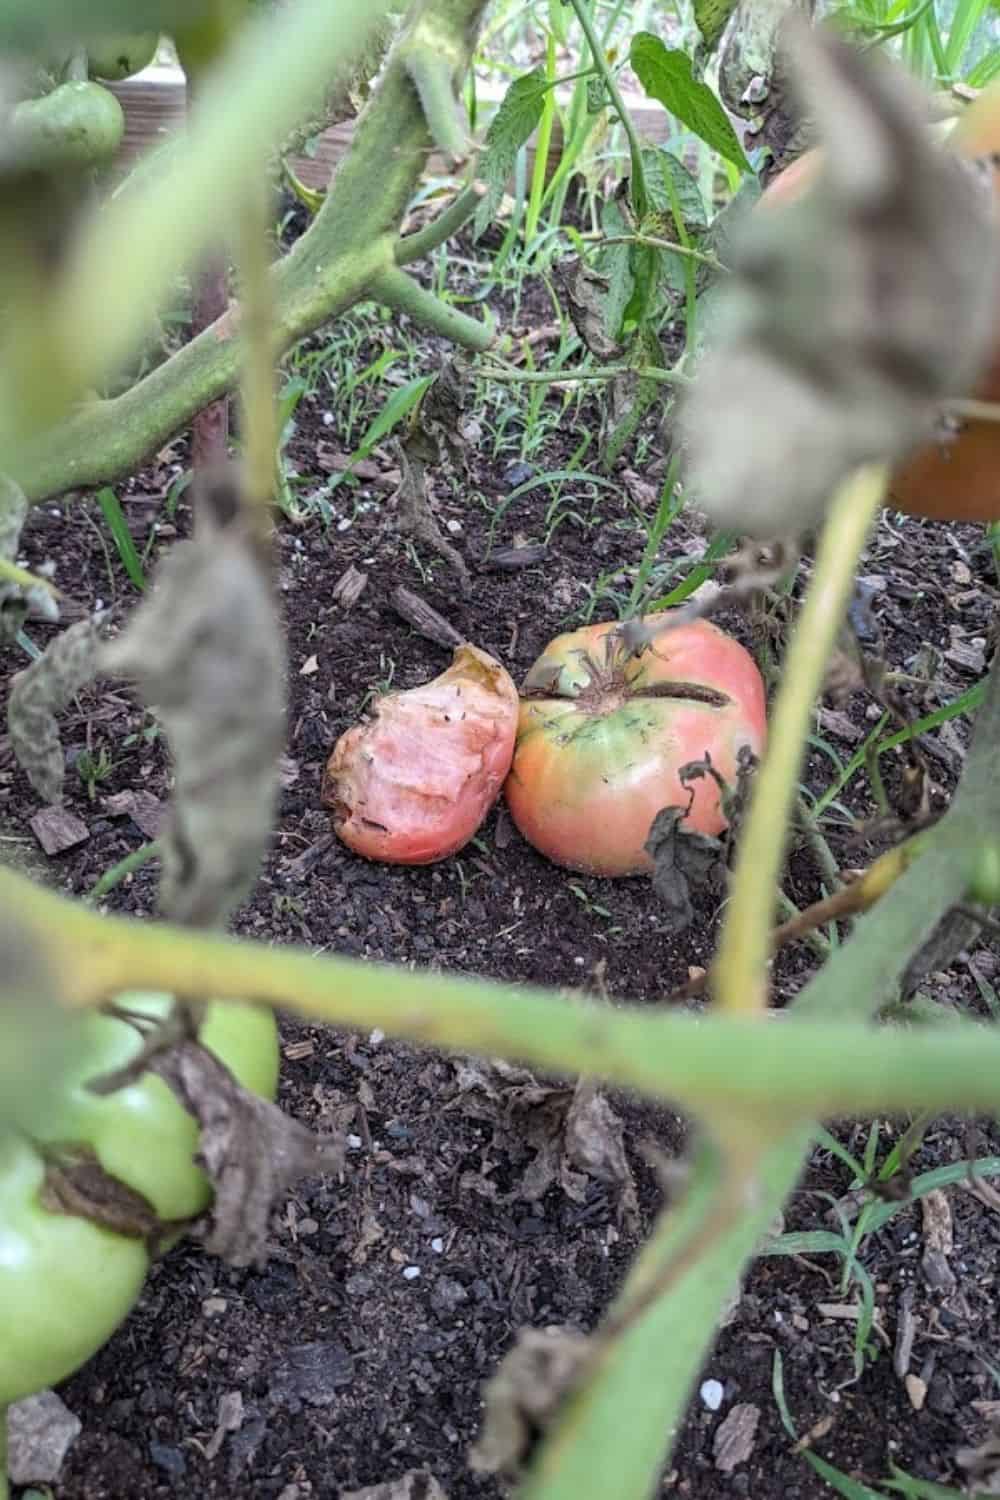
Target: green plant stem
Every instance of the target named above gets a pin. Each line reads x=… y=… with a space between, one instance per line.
x=127 y=866
x=543 y=138
x=404 y=295
x=102 y=300
x=656 y=243
x=352 y=238
x=739 y=975
x=431 y=66
x=639 y=194
x=260 y=416
x=411 y=247
x=599 y=372
x=733 y=1068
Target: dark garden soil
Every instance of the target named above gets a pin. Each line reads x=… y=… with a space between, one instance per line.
x=358 y=1354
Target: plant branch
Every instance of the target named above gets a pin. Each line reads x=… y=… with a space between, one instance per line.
x=411 y=247
x=352 y=238
x=404 y=295
x=640 y=196
x=733 y=1068
x=599 y=372
x=739 y=975
x=656 y=243
x=432 y=62
x=260 y=417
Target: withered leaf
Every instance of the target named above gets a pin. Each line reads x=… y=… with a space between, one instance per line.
x=524 y=1395
x=40 y=693
x=207 y=648
x=76 y=1184
x=251 y=1152
x=571 y=1130
x=853 y=312
x=682 y=861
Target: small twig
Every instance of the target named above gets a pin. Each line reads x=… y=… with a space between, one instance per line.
x=425 y=620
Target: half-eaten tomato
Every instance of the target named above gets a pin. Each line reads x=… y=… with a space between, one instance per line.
x=603 y=736
x=414 y=783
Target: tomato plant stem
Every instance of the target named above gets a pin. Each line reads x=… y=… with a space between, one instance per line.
x=259 y=409
x=739 y=975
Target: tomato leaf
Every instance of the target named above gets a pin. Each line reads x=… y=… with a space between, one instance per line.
x=711 y=18
x=683 y=861
x=519 y=113
x=667 y=76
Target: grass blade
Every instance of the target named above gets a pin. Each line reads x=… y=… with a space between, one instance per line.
x=114 y=518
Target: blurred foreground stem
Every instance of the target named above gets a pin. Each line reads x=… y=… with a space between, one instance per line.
x=739 y=976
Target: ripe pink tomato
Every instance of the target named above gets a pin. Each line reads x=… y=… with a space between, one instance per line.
x=602 y=737
x=413 y=784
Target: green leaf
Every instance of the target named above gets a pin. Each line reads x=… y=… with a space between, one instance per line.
x=667 y=76
x=711 y=17
x=616 y=264
x=115 y=519
x=659 y=165
x=519 y=113
x=398 y=406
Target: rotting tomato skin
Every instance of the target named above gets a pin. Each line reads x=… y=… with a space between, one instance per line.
x=414 y=784
x=141 y=1134
x=587 y=782
x=65 y=1283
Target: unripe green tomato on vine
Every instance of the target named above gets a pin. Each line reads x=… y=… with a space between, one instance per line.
x=116 y=57
x=65 y=1281
x=141 y=1134
x=78 y=124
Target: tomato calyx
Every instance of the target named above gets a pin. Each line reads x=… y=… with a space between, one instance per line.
x=608 y=687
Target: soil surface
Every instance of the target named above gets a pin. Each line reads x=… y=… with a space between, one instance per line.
x=391 y=1293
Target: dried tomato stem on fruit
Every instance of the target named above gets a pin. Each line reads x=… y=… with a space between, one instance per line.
x=603 y=735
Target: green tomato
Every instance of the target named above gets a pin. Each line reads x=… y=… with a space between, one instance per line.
x=141 y=1134
x=78 y=124
x=65 y=1284
x=116 y=57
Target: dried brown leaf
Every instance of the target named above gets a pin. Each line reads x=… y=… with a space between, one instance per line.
x=43 y=691
x=207 y=648
x=251 y=1152
x=524 y=1395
